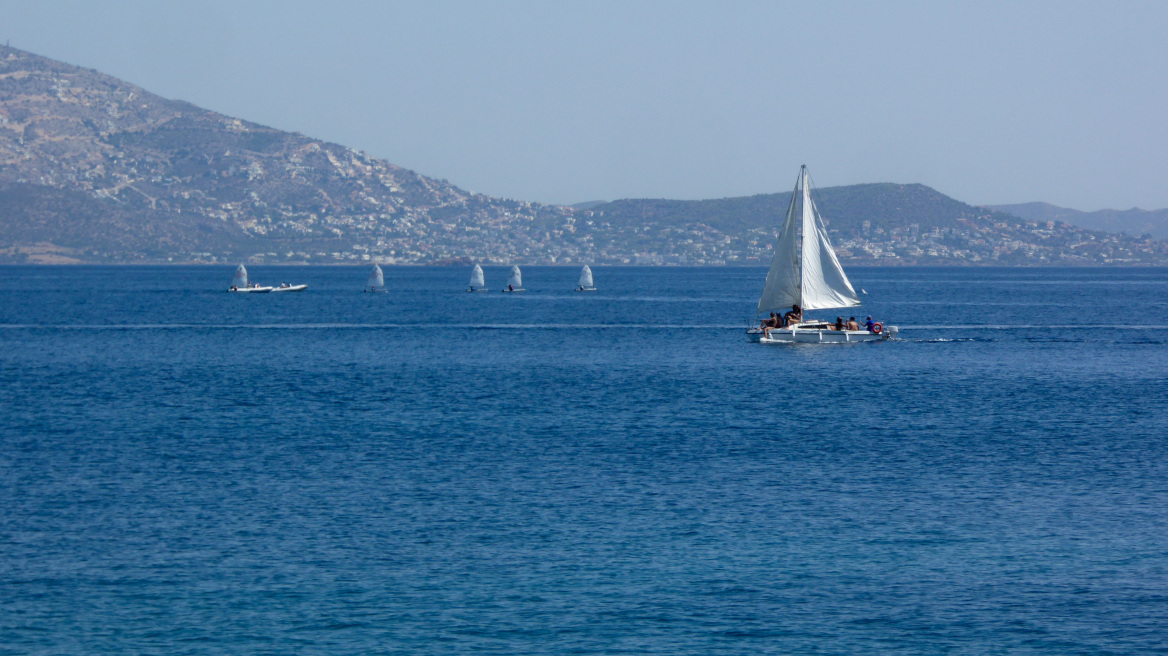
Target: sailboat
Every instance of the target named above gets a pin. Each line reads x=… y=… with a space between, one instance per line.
x=585 y=282
x=515 y=281
x=477 y=284
x=240 y=285
x=806 y=273
x=376 y=282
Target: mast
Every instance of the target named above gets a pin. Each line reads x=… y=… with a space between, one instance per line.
x=804 y=195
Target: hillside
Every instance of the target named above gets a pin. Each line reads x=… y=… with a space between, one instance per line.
x=143 y=178
x=94 y=169
x=1135 y=221
x=874 y=223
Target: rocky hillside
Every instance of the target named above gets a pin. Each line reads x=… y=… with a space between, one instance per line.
x=93 y=169
x=96 y=169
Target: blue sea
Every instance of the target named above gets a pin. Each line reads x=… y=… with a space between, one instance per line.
x=185 y=471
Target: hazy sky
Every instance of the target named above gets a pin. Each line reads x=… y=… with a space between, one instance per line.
x=989 y=102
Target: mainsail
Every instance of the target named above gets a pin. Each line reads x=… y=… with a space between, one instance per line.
x=476 y=278
x=585 y=277
x=376 y=278
x=515 y=280
x=240 y=279
x=804 y=270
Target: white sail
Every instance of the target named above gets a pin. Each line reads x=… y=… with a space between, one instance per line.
x=476 y=278
x=782 y=288
x=804 y=270
x=376 y=278
x=824 y=283
x=240 y=279
x=515 y=280
x=585 y=277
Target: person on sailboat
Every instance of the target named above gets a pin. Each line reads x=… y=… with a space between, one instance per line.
x=869 y=324
x=772 y=322
x=839 y=324
x=853 y=324
x=793 y=317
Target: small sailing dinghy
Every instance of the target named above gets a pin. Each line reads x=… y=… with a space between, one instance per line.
x=240 y=285
x=376 y=281
x=514 y=281
x=585 y=282
x=477 y=284
x=806 y=273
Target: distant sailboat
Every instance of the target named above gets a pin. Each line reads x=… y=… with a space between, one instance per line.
x=805 y=273
x=515 y=280
x=585 y=282
x=376 y=281
x=240 y=284
x=477 y=284
x=240 y=277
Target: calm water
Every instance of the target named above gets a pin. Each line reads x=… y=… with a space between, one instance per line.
x=184 y=471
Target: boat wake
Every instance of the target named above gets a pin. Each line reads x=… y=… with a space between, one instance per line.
x=1023 y=326
x=945 y=340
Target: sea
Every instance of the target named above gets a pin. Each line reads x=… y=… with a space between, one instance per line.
x=427 y=471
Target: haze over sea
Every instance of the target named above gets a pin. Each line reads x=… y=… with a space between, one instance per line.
x=184 y=471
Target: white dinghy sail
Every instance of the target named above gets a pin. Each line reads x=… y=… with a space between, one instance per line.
x=376 y=282
x=585 y=282
x=806 y=273
x=240 y=284
x=515 y=280
x=477 y=284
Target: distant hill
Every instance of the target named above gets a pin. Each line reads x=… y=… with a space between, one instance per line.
x=142 y=178
x=885 y=204
x=1134 y=221
x=883 y=223
x=94 y=169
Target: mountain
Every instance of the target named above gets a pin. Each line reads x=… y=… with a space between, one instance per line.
x=879 y=223
x=97 y=169
x=1135 y=221
x=94 y=169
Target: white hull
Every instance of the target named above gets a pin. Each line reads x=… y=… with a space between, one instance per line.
x=290 y=288
x=817 y=335
x=249 y=290
x=376 y=291
x=514 y=291
x=480 y=290
x=585 y=289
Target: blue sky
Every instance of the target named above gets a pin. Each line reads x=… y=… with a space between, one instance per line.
x=989 y=102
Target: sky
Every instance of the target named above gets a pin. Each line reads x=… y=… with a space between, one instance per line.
x=990 y=102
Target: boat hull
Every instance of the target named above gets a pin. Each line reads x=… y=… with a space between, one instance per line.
x=816 y=336
x=290 y=288
x=249 y=290
x=585 y=289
